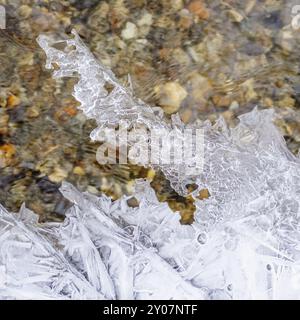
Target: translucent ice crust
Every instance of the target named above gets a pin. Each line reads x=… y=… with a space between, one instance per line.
x=107 y=107
x=244 y=243
x=118 y=106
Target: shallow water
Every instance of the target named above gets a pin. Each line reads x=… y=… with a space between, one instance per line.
x=225 y=57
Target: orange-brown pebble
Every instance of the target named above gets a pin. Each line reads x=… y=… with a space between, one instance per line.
x=199 y=9
x=7 y=151
x=204 y=194
x=13 y=101
x=71 y=111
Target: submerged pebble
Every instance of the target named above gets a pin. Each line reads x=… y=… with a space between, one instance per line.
x=171 y=96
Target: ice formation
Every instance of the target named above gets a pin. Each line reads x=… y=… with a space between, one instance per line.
x=244 y=243
x=115 y=107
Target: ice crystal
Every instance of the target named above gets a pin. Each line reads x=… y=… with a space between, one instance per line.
x=30 y=266
x=244 y=243
x=118 y=105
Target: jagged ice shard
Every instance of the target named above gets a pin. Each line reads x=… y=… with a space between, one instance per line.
x=244 y=243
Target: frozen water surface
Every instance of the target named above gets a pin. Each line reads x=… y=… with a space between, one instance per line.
x=244 y=243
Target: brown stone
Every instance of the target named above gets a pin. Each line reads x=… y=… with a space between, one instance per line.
x=204 y=194
x=7 y=151
x=13 y=101
x=221 y=101
x=199 y=9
